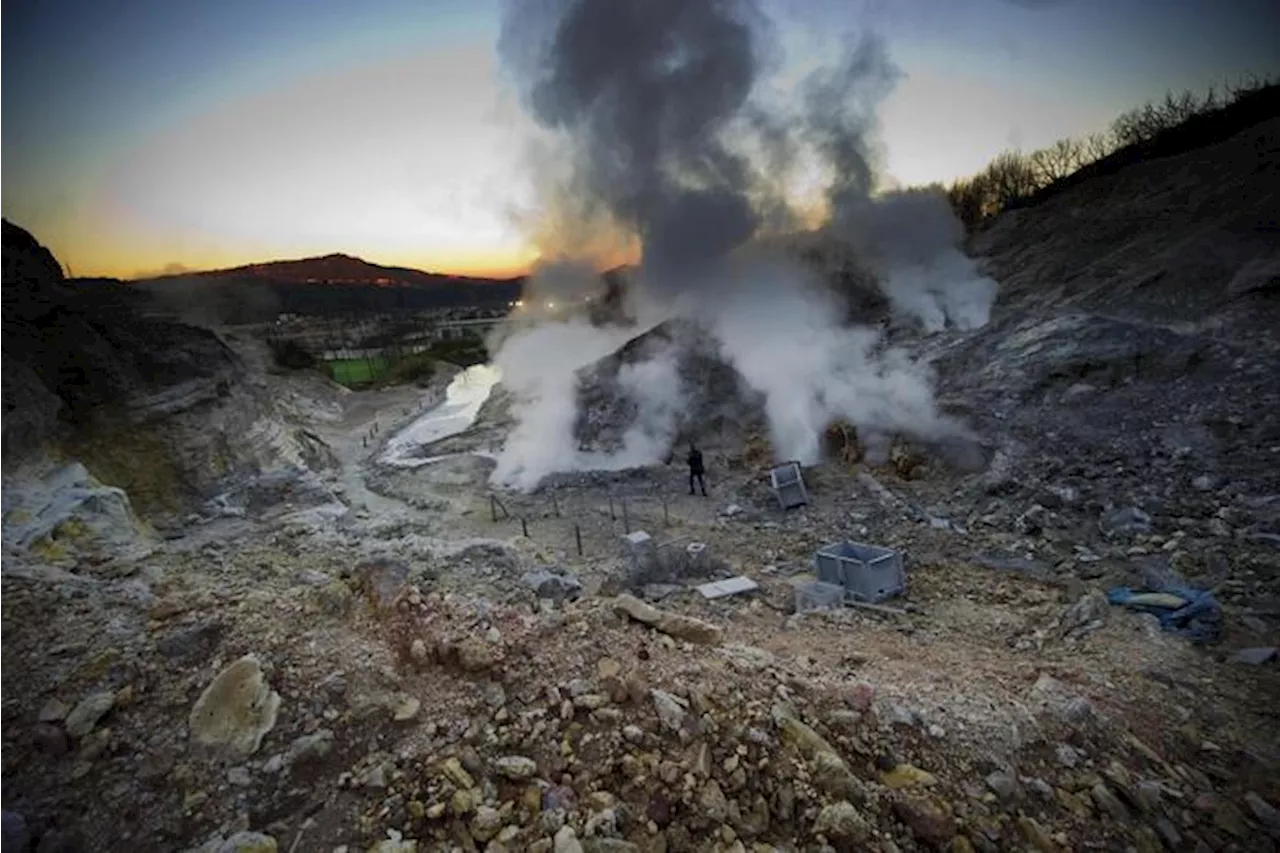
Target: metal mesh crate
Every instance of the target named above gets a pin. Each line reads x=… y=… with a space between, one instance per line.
x=670 y=561
x=816 y=595
x=867 y=572
x=788 y=485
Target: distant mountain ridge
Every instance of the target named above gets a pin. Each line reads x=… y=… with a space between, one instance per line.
x=336 y=268
x=329 y=285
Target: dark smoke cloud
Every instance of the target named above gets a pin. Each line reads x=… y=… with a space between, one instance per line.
x=841 y=105
x=648 y=90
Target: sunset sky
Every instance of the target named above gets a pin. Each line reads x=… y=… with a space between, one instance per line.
x=164 y=134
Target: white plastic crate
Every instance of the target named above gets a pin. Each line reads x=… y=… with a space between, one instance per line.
x=867 y=573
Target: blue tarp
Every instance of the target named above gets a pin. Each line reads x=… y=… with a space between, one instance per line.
x=1199 y=619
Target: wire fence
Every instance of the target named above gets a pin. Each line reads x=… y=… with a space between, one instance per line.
x=550 y=513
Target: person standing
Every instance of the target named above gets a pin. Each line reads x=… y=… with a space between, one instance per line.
x=696 y=469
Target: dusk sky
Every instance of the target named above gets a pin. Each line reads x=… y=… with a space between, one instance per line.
x=153 y=134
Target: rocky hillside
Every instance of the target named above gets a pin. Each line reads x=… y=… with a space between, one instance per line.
x=165 y=411
x=414 y=667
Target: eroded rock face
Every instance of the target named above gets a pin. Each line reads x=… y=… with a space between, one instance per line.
x=69 y=512
x=32 y=276
x=236 y=710
x=161 y=409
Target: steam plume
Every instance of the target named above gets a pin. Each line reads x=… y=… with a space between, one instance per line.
x=661 y=110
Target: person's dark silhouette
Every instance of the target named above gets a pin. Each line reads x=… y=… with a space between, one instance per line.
x=696 y=470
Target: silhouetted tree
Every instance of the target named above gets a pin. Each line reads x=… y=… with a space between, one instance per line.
x=1057 y=161
x=1177 y=123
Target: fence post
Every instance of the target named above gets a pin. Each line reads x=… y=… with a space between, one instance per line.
x=524 y=527
x=555 y=503
x=626 y=521
x=493 y=508
x=577 y=534
x=612 y=515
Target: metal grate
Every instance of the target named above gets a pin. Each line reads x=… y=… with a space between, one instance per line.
x=816 y=595
x=788 y=485
x=670 y=561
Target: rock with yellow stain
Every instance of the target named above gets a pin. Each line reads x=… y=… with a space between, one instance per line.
x=236 y=710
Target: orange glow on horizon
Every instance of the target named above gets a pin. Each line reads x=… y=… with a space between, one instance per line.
x=127 y=266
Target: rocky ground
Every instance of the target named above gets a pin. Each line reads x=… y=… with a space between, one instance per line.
x=337 y=655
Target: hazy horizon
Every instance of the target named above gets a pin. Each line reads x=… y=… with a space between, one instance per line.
x=184 y=136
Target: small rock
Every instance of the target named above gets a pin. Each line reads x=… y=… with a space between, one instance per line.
x=1109 y=802
x=1266 y=814
x=558 y=798
x=552 y=585
x=453 y=770
x=671 y=709
x=842 y=822
x=906 y=776
x=1085 y=616
x=659 y=809
x=1168 y=833
x=712 y=803
x=476 y=655
x=1035 y=835
x=486 y=823
x=1204 y=483
x=311 y=747
x=1068 y=756
x=418 y=651
x=406 y=709
x=382 y=580
x=1129 y=521
x=903 y=716
x=494 y=695
x=376 y=776
x=603 y=823
x=88 y=712
x=632 y=734
x=927 y=820
x=516 y=767
x=567 y=842
x=239 y=776
x=53 y=711
x=1003 y=785
x=1255 y=656
x=1148 y=795
x=249 y=842
x=1041 y=789
x=188 y=644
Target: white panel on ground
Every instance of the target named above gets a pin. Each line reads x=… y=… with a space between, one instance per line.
x=732 y=586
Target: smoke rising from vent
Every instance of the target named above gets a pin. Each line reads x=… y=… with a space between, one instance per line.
x=667 y=115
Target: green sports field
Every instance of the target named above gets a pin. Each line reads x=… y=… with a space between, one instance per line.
x=358 y=371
